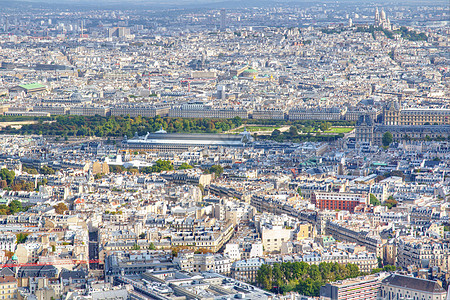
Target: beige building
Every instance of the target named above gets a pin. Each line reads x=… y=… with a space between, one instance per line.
x=423 y=253
x=304 y=231
x=326 y=114
x=404 y=287
x=89 y=111
x=8 y=287
x=139 y=110
x=394 y=115
x=28 y=252
x=273 y=238
x=98 y=167
x=269 y=114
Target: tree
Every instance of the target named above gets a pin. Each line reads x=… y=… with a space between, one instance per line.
x=276 y=133
x=116 y=169
x=21 y=237
x=136 y=247
x=373 y=200
x=30 y=170
x=185 y=166
x=293 y=131
x=142 y=236
x=158 y=167
x=380 y=262
x=152 y=246
x=390 y=202
x=7 y=175
x=216 y=169
x=264 y=277
x=60 y=208
x=15 y=206
x=46 y=170
x=387 y=139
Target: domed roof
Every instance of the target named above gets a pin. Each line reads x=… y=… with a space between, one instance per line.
x=250 y=71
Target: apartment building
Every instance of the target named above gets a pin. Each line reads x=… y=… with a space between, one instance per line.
x=423 y=253
x=90 y=111
x=8 y=287
x=366 y=288
x=139 y=110
x=326 y=114
x=341 y=201
x=269 y=114
x=394 y=115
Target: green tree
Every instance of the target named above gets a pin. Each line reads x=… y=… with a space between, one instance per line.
x=293 y=131
x=264 y=276
x=158 y=167
x=7 y=175
x=185 y=166
x=136 y=247
x=387 y=139
x=390 y=202
x=21 y=237
x=380 y=262
x=142 y=236
x=152 y=246
x=216 y=169
x=373 y=200
x=15 y=206
x=46 y=170
x=276 y=133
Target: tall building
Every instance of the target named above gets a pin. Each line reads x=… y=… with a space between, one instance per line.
x=223 y=19
x=118 y=32
x=221 y=92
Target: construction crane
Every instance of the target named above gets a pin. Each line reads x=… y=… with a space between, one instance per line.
x=65 y=262
x=189 y=80
x=149 y=75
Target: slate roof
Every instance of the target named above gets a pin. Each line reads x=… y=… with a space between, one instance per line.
x=37 y=271
x=414 y=284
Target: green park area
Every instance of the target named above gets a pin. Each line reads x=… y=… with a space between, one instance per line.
x=339 y=130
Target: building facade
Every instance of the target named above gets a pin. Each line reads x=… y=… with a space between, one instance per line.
x=341 y=201
x=404 y=287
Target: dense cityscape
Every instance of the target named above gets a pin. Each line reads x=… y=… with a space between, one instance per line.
x=210 y=151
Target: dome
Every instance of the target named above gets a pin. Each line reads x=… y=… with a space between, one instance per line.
x=250 y=73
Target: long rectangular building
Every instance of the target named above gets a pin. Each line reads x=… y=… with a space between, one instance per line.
x=341 y=201
x=363 y=288
x=139 y=110
x=164 y=141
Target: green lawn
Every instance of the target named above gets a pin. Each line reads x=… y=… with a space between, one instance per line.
x=339 y=130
